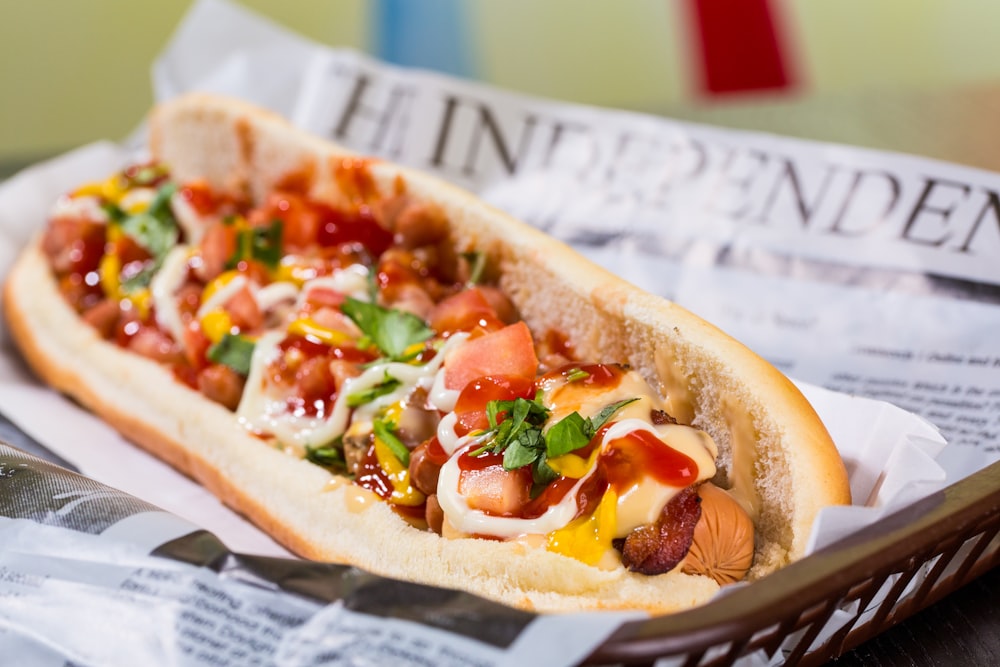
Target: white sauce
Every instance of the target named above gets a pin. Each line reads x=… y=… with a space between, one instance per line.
x=163 y=289
x=79 y=207
x=264 y=411
x=351 y=281
x=222 y=295
x=137 y=199
x=274 y=294
x=472 y=521
x=188 y=218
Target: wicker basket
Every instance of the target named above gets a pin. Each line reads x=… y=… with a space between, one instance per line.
x=835 y=599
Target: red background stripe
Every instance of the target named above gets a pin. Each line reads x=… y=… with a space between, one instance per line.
x=740 y=46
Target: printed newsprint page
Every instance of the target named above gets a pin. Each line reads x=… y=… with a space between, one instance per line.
x=868 y=273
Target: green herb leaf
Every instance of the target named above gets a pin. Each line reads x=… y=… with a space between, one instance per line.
x=523 y=450
x=386 y=386
x=328 y=456
x=568 y=434
x=148 y=174
x=577 y=374
x=477 y=264
x=156 y=234
x=234 y=351
x=385 y=431
x=392 y=331
x=160 y=206
x=155 y=229
x=516 y=431
x=263 y=244
x=115 y=213
x=542 y=474
x=602 y=417
x=141 y=278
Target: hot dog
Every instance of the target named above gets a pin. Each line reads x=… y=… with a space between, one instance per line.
x=380 y=369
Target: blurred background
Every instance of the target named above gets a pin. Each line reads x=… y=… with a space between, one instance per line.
x=917 y=76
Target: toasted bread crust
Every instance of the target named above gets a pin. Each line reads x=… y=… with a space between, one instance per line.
x=774 y=449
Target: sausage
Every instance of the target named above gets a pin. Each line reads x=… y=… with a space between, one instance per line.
x=424 y=472
x=433 y=514
x=722 y=546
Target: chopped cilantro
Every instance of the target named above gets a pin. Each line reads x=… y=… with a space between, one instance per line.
x=147 y=174
x=234 y=351
x=392 y=331
x=516 y=431
x=602 y=417
x=155 y=229
x=477 y=264
x=386 y=386
x=263 y=244
x=328 y=456
x=568 y=434
x=115 y=213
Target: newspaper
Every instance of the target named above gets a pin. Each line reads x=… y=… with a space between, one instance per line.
x=783 y=243
x=891 y=259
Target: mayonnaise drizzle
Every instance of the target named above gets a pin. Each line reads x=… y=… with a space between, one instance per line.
x=263 y=411
x=222 y=295
x=351 y=281
x=163 y=288
x=79 y=207
x=188 y=218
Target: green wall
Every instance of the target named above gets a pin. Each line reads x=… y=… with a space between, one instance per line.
x=74 y=71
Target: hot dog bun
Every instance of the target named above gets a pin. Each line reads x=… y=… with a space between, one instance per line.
x=775 y=455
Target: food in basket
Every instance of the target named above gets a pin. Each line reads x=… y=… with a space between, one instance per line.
x=380 y=369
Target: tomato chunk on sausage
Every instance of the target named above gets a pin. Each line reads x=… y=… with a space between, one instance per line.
x=509 y=351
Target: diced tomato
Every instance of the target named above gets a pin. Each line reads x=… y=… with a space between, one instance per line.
x=320 y=297
x=300 y=219
x=337 y=227
x=394 y=274
x=435 y=452
x=152 y=343
x=471 y=405
x=74 y=245
x=488 y=487
x=129 y=250
x=196 y=345
x=200 y=196
x=244 y=311
x=82 y=292
x=464 y=311
x=218 y=246
x=509 y=351
x=588 y=496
